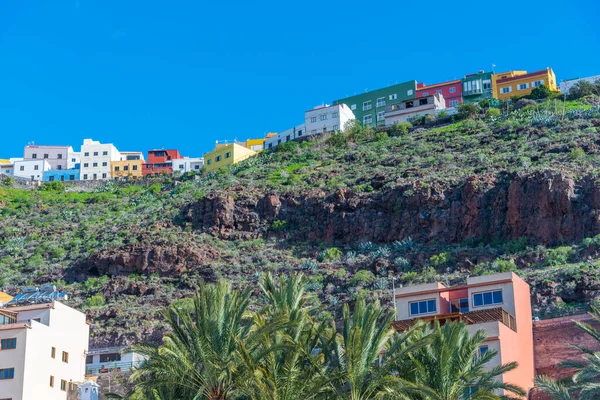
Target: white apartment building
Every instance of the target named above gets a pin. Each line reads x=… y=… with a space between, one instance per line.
x=187 y=164
x=412 y=108
x=96 y=158
x=59 y=157
x=32 y=170
x=320 y=119
x=42 y=350
x=565 y=86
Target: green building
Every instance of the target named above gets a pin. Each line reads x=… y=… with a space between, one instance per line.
x=369 y=107
x=477 y=87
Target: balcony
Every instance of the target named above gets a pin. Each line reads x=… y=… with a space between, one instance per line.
x=7 y=317
x=470 y=318
x=111 y=366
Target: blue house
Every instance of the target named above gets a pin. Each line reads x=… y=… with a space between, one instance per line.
x=62 y=174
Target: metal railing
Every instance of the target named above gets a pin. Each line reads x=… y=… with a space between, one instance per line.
x=557 y=312
x=109 y=367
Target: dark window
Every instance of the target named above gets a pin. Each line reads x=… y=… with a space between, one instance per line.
x=422 y=307
x=300 y=132
x=71 y=177
x=51 y=179
x=7 y=373
x=59 y=167
x=409 y=104
x=487 y=298
x=60 y=156
x=287 y=138
x=422 y=102
x=110 y=357
x=126 y=168
x=34 y=155
x=63 y=385
x=6 y=344
x=105 y=153
x=86 y=154
x=228 y=155
x=116 y=169
x=270 y=145
x=95 y=153
x=135 y=167
x=62 y=178
x=65 y=357
x=218 y=158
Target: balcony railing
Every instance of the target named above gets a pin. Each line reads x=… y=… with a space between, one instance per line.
x=7 y=317
x=114 y=366
x=470 y=318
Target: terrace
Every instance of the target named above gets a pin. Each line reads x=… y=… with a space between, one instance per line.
x=470 y=318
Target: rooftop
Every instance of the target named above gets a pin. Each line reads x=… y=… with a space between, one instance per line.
x=524 y=76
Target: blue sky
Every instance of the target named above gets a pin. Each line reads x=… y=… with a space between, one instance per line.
x=181 y=74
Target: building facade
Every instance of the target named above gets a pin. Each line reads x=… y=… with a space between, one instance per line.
x=111 y=359
x=294 y=133
x=369 y=107
x=160 y=162
x=407 y=110
x=497 y=304
x=42 y=350
x=225 y=155
x=187 y=164
x=451 y=90
x=95 y=160
x=62 y=175
x=32 y=170
x=129 y=166
x=565 y=86
x=476 y=87
x=59 y=157
x=520 y=83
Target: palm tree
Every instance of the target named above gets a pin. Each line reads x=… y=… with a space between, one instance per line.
x=281 y=363
x=585 y=380
x=361 y=367
x=450 y=366
x=199 y=358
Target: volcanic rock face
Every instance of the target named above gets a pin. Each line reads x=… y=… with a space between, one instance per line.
x=546 y=208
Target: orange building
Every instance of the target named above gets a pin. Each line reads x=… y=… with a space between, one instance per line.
x=498 y=304
x=520 y=83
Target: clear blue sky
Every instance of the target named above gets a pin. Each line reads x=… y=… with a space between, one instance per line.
x=180 y=74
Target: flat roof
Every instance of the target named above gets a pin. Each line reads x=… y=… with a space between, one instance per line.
x=438 y=85
x=518 y=77
x=29 y=307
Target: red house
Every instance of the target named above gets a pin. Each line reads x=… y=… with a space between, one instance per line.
x=160 y=162
x=451 y=90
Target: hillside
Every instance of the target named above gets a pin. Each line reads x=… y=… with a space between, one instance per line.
x=457 y=198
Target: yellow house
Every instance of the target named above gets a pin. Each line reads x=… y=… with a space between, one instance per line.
x=5 y=298
x=128 y=167
x=224 y=155
x=520 y=83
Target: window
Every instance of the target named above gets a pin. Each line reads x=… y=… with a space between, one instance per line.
x=85 y=165
x=506 y=89
x=7 y=373
x=336 y=127
x=228 y=154
x=523 y=86
x=116 y=169
x=323 y=117
x=85 y=176
x=287 y=138
x=51 y=381
x=104 y=164
x=459 y=305
x=110 y=357
x=34 y=155
x=453 y=103
x=86 y=154
x=62 y=178
x=422 y=102
x=367 y=119
x=438 y=92
x=135 y=167
x=270 y=145
x=487 y=84
x=409 y=104
x=103 y=175
x=299 y=132
x=196 y=167
x=422 y=307
x=105 y=153
x=51 y=179
x=71 y=177
x=409 y=92
x=313 y=131
x=95 y=164
x=425 y=94
x=367 y=105
x=381 y=102
x=95 y=153
x=313 y=119
x=537 y=83
x=483 y=350
x=218 y=159
x=453 y=89
x=325 y=129
x=63 y=385
x=380 y=116
x=353 y=107
x=334 y=114
x=60 y=156
x=21 y=168
x=487 y=298
x=45 y=155
x=6 y=344
x=209 y=161
x=36 y=167
x=65 y=357
x=126 y=168
x=393 y=96
x=59 y=167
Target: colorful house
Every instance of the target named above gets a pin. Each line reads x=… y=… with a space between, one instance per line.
x=451 y=90
x=225 y=155
x=520 y=83
x=128 y=167
x=476 y=87
x=62 y=175
x=498 y=304
x=418 y=107
x=369 y=107
x=160 y=162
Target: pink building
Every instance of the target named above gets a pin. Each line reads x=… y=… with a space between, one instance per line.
x=498 y=304
x=59 y=157
x=451 y=90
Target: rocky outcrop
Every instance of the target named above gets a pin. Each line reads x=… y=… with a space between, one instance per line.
x=154 y=259
x=546 y=208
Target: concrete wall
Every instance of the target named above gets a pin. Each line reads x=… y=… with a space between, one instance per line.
x=566 y=86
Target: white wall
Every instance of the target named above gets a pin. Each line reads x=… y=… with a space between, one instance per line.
x=327 y=118
x=293 y=133
x=187 y=164
x=96 y=158
x=27 y=169
x=566 y=86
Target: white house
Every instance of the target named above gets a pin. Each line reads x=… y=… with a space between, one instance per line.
x=42 y=350
x=327 y=118
x=565 y=86
x=285 y=136
x=111 y=359
x=412 y=108
x=96 y=158
x=187 y=164
x=32 y=170
x=59 y=157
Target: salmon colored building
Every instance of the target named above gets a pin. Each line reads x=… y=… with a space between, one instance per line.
x=160 y=162
x=451 y=90
x=498 y=304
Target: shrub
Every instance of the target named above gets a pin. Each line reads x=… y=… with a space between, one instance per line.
x=400 y=128
x=439 y=259
x=279 y=225
x=365 y=187
x=154 y=188
x=379 y=136
x=362 y=277
x=402 y=264
x=540 y=92
x=309 y=265
x=331 y=254
x=493 y=113
x=558 y=256
x=56 y=186
x=96 y=300
x=522 y=103
x=468 y=110
x=577 y=154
